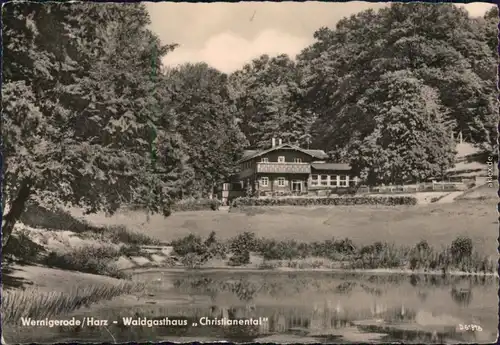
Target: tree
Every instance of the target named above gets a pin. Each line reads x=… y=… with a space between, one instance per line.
x=269 y=94
x=79 y=106
x=439 y=44
x=489 y=23
x=409 y=140
x=197 y=98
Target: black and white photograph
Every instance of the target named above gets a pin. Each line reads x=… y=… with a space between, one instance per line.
x=249 y=172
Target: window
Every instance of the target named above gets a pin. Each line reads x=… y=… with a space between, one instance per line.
x=281 y=181
x=333 y=180
x=264 y=181
x=343 y=180
x=264 y=160
x=298 y=160
x=324 y=180
x=281 y=159
x=314 y=180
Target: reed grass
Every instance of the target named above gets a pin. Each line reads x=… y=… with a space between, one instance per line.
x=342 y=253
x=40 y=305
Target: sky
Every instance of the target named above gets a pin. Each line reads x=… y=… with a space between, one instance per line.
x=228 y=35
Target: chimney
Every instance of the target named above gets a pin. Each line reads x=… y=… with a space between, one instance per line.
x=273 y=142
x=280 y=142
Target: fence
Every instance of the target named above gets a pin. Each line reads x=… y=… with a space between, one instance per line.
x=419 y=187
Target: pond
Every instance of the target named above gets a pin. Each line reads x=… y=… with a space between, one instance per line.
x=292 y=307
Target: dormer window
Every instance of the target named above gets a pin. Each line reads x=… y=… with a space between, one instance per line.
x=264 y=160
x=281 y=159
x=298 y=160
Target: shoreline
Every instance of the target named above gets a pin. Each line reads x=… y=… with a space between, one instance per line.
x=287 y=269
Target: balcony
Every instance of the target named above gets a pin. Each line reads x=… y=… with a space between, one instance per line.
x=290 y=168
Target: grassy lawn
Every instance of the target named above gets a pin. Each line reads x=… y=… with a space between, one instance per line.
x=438 y=224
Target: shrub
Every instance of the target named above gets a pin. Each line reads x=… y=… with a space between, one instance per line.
x=189 y=244
x=379 y=255
x=268 y=265
x=240 y=258
x=214 y=205
x=375 y=249
x=461 y=249
x=241 y=246
x=345 y=246
x=413 y=263
x=422 y=256
x=196 y=205
x=284 y=250
x=342 y=191
x=193 y=260
x=196 y=252
x=343 y=201
x=214 y=247
x=246 y=241
x=376 y=255
x=289 y=250
x=88 y=259
x=422 y=246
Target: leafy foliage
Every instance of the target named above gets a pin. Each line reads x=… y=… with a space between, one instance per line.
x=268 y=93
x=336 y=253
x=378 y=75
x=204 y=115
x=196 y=205
x=89 y=259
x=461 y=248
x=198 y=251
x=79 y=105
x=344 y=201
x=409 y=139
x=82 y=118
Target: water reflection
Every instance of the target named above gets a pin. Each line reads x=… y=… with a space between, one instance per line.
x=300 y=308
x=461 y=296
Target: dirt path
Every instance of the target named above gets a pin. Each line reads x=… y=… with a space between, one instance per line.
x=450 y=197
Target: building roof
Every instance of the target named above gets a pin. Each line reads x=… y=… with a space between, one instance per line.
x=330 y=166
x=249 y=154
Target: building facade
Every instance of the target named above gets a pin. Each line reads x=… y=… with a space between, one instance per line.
x=285 y=169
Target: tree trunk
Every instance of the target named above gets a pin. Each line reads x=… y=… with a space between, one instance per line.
x=15 y=212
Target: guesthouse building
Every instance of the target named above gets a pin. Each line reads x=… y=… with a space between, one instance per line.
x=286 y=169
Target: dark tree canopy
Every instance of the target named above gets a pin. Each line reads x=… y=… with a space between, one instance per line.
x=440 y=47
x=269 y=97
x=79 y=104
x=205 y=116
